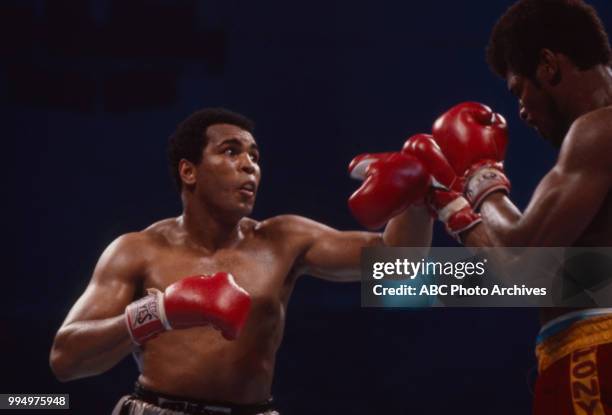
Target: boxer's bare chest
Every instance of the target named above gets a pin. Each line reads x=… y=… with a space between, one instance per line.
x=263 y=267
x=599 y=231
x=198 y=362
x=597 y=234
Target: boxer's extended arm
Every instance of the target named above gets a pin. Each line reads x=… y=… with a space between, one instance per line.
x=94 y=337
x=565 y=201
x=413 y=227
x=335 y=255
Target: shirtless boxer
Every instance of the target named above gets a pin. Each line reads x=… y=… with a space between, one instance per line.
x=171 y=312
x=554 y=56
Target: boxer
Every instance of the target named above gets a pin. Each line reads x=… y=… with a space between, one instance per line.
x=200 y=299
x=555 y=57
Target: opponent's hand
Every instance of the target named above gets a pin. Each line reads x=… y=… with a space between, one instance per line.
x=391 y=183
x=445 y=198
x=474 y=138
x=192 y=301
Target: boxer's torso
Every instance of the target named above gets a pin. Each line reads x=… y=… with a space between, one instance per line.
x=199 y=363
x=597 y=234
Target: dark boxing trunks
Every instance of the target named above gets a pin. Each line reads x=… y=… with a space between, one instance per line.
x=575 y=365
x=146 y=402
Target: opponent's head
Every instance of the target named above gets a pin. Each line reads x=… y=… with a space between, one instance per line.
x=536 y=45
x=213 y=156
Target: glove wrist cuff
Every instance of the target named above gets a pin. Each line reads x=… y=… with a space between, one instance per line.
x=455 y=212
x=446 y=213
x=146 y=318
x=464 y=221
x=483 y=181
x=461 y=221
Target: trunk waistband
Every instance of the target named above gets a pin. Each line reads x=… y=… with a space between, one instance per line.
x=190 y=406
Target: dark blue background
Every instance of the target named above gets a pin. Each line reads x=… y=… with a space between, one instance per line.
x=92 y=89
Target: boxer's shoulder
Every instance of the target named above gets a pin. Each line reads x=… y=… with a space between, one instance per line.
x=170 y=233
x=140 y=245
x=161 y=233
x=594 y=125
x=588 y=141
x=130 y=244
x=290 y=228
x=598 y=115
x=125 y=258
x=287 y=224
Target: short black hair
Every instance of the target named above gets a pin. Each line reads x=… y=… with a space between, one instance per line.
x=189 y=139
x=571 y=27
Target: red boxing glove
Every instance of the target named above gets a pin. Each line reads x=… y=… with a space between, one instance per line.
x=474 y=138
x=392 y=182
x=192 y=301
x=444 y=199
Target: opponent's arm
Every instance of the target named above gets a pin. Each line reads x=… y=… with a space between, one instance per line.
x=564 y=202
x=94 y=337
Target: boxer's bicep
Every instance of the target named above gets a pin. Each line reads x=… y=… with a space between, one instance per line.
x=336 y=255
x=113 y=283
x=94 y=337
x=326 y=252
x=564 y=204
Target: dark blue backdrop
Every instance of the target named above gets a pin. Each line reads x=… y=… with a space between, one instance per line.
x=90 y=92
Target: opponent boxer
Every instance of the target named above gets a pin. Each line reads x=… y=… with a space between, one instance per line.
x=162 y=292
x=554 y=56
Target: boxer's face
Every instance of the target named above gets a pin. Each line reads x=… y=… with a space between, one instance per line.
x=228 y=175
x=538 y=108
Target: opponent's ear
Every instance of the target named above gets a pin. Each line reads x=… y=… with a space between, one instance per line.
x=548 y=71
x=187 y=171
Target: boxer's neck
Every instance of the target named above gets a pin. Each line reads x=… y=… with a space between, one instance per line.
x=209 y=230
x=588 y=90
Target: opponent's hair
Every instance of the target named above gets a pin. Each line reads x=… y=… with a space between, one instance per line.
x=571 y=27
x=190 y=139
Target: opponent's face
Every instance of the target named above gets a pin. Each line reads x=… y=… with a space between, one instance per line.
x=538 y=108
x=228 y=175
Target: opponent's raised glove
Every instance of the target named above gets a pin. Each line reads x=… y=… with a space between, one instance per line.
x=474 y=138
x=192 y=301
x=445 y=198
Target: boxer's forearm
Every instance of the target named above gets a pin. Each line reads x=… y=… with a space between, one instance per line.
x=413 y=227
x=561 y=208
x=501 y=225
x=89 y=348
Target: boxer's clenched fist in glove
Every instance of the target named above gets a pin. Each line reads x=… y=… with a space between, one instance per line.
x=473 y=138
x=391 y=183
x=445 y=196
x=192 y=301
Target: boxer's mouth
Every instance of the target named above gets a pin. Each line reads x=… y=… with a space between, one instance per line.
x=248 y=188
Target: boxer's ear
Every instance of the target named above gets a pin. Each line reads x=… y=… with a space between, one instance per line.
x=187 y=171
x=548 y=70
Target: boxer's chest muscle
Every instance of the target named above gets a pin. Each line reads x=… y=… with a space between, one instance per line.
x=599 y=231
x=258 y=268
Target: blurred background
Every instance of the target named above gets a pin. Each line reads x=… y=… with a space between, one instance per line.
x=90 y=91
